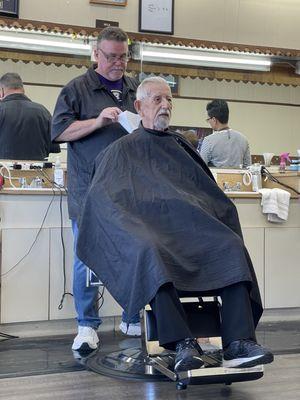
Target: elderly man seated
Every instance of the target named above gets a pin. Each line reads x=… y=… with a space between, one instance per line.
x=155 y=222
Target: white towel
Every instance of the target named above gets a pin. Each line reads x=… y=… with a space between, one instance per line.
x=129 y=120
x=275 y=203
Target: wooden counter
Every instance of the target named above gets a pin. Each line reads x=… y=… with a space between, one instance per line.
x=32 y=260
x=32 y=284
x=232 y=177
x=33 y=191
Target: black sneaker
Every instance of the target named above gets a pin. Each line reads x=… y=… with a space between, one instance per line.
x=188 y=354
x=246 y=354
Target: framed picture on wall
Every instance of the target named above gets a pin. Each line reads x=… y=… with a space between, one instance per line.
x=110 y=2
x=9 y=8
x=156 y=16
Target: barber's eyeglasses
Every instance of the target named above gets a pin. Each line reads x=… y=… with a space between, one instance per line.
x=208 y=119
x=112 y=58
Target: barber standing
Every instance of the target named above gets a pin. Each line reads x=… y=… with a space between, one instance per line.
x=85 y=117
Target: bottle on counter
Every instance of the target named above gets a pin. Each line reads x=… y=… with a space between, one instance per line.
x=58 y=173
x=294 y=166
x=284 y=157
x=255 y=170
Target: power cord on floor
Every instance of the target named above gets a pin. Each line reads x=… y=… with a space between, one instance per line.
x=61 y=189
x=65 y=293
x=100 y=299
x=34 y=241
x=6 y=336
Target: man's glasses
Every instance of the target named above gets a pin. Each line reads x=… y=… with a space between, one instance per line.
x=208 y=119
x=112 y=58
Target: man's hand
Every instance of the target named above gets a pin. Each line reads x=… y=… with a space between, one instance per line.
x=80 y=129
x=107 y=116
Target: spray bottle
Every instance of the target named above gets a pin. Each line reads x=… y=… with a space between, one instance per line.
x=255 y=170
x=58 y=173
x=284 y=157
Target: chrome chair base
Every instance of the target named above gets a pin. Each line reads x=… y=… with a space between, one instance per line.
x=135 y=364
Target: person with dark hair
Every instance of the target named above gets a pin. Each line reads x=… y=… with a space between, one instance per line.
x=225 y=147
x=86 y=117
x=160 y=224
x=191 y=136
x=24 y=125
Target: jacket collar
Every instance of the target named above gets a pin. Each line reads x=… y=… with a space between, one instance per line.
x=155 y=132
x=16 y=96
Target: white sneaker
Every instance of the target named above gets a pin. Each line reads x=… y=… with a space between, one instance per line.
x=86 y=339
x=131 y=330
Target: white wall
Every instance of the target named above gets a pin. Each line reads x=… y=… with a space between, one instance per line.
x=269 y=127
x=261 y=22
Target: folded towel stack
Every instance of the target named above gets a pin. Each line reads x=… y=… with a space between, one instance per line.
x=275 y=203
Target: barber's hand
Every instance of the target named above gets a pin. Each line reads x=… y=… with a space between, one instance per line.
x=107 y=116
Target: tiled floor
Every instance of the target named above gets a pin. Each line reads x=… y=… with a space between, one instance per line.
x=44 y=368
x=52 y=354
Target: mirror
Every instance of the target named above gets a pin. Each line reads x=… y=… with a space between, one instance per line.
x=267 y=114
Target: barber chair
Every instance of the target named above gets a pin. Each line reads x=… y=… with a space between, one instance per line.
x=145 y=360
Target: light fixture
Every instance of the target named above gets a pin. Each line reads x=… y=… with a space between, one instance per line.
x=183 y=55
x=20 y=39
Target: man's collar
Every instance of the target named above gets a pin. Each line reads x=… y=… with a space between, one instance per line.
x=15 y=96
x=155 y=132
x=96 y=84
x=226 y=128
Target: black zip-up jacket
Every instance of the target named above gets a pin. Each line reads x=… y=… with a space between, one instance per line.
x=81 y=99
x=24 y=129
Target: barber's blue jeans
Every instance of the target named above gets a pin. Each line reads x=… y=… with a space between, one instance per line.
x=85 y=298
x=134 y=320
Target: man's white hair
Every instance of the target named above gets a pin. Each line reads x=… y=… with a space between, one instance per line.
x=143 y=89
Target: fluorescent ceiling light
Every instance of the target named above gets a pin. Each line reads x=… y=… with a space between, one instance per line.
x=44 y=43
x=200 y=57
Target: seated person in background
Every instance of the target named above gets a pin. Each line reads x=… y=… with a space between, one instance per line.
x=224 y=147
x=155 y=222
x=24 y=124
x=191 y=136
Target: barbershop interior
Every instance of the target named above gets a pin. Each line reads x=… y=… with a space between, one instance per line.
x=172 y=272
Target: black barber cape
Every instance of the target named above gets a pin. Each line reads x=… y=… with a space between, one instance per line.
x=154 y=214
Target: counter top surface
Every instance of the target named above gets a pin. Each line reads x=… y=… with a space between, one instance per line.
x=30 y=191
x=49 y=191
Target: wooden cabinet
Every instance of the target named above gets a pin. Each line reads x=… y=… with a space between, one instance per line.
x=24 y=284
x=32 y=290
x=254 y=241
x=274 y=249
x=282 y=267
x=57 y=272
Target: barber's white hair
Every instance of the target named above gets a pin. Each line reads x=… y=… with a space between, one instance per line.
x=143 y=89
